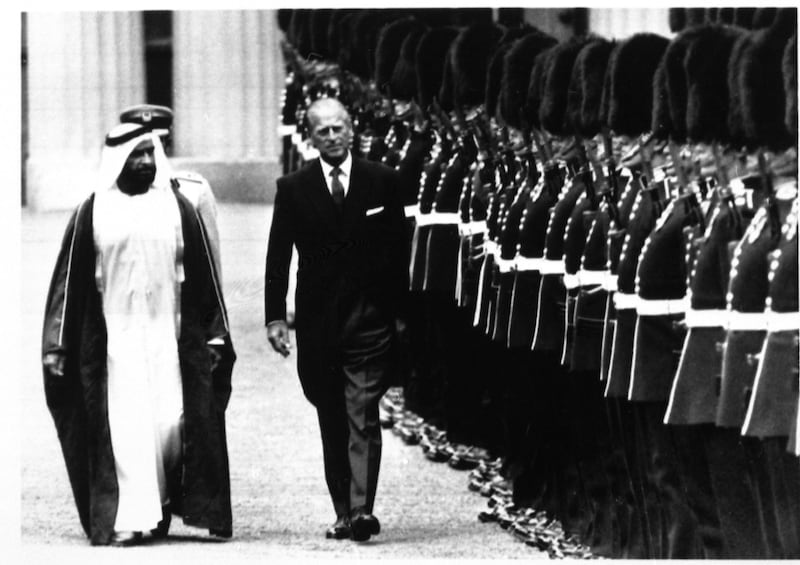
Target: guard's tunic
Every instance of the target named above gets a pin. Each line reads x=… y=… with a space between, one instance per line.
x=646 y=209
x=575 y=236
x=747 y=294
x=615 y=236
x=472 y=232
x=432 y=173
x=693 y=399
x=485 y=303
x=550 y=322
x=529 y=258
x=508 y=238
x=441 y=259
x=772 y=411
x=661 y=289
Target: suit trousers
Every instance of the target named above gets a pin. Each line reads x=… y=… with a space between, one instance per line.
x=591 y=448
x=783 y=470
x=349 y=423
x=627 y=482
x=420 y=390
x=673 y=525
x=732 y=460
x=535 y=486
x=460 y=348
x=694 y=470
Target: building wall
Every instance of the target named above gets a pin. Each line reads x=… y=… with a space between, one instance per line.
x=620 y=23
x=82 y=68
x=228 y=81
x=546 y=19
x=612 y=23
x=227 y=84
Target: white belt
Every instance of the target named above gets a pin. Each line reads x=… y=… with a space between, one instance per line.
x=610 y=282
x=286 y=129
x=754 y=321
x=423 y=219
x=472 y=228
x=552 y=267
x=782 y=321
x=625 y=301
x=528 y=263
x=491 y=248
x=660 y=307
x=411 y=210
x=571 y=281
x=706 y=318
x=587 y=278
x=504 y=265
x=440 y=218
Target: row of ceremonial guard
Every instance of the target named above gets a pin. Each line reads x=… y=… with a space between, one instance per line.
x=603 y=258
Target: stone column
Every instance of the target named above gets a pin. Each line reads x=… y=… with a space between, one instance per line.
x=228 y=77
x=621 y=23
x=82 y=68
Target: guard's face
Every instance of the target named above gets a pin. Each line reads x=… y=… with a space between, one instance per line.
x=140 y=167
x=331 y=133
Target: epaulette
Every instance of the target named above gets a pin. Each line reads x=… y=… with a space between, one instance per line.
x=189 y=176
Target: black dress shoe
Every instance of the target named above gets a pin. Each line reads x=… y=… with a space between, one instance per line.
x=364 y=526
x=219 y=533
x=126 y=539
x=162 y=528
x=340 y=529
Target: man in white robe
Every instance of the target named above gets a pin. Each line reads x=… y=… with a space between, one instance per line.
x=137 y=227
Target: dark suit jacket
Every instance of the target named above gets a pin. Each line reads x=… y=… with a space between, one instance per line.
x=358 y=253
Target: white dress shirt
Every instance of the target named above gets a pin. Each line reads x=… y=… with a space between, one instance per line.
x=344 y=176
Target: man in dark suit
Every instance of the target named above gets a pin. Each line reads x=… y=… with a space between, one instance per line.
x=345 y=216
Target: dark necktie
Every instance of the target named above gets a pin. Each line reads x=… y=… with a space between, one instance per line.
x=337 y=190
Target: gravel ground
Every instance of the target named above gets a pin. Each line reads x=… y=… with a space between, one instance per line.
x=280 y=503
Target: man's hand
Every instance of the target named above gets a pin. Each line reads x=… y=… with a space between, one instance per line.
x=400 y=326
x=278 y=336
x=54 y=363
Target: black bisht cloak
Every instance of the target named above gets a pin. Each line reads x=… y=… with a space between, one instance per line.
x=78 y=401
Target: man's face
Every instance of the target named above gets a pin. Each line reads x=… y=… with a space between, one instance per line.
x=140 y=167
x=331 y=132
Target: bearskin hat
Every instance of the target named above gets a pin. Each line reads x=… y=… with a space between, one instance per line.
x=557 y=76
x=517 y=66
x=761 y=83
x=469 y=59
x=790 y=85
x=403 y=84
x=533 y=99
x=705 y=65
x=631 y=95
x=585 y=94
x=430 y=62
x=388 y=47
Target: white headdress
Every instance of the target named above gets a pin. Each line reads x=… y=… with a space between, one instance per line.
x=120 y=142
